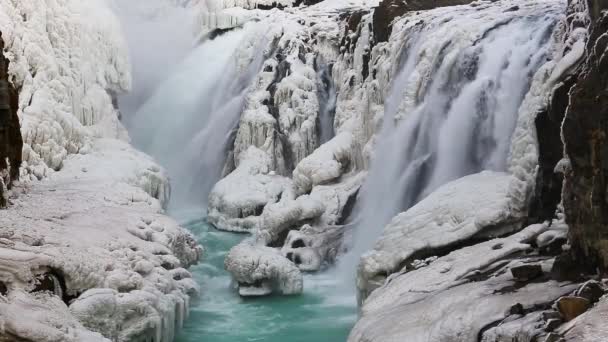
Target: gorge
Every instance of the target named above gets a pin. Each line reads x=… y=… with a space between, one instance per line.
x=338 y=170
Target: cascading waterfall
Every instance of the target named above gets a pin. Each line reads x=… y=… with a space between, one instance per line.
x=450 y=112
x=327 y=102
x=186 y=124
x=159 y=36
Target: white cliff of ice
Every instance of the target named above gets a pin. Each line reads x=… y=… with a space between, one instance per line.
x=67 y=58
x=87 y=251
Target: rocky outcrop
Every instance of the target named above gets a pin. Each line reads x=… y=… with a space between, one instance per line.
x=585 y=134
x=11 y=142
x=389 y=10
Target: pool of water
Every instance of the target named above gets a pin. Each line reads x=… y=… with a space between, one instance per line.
x=323 y=313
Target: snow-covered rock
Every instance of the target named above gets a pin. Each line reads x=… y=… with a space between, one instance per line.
x=67 y=59
x=260 y=270
x=473 y=207
x=464 y=293
x=106 y=241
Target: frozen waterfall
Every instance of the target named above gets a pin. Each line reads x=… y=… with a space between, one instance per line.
x=451 y=110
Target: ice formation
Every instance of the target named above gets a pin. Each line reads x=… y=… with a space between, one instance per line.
x=89 y=247
x=62 y=107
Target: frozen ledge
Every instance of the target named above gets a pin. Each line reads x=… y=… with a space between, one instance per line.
x=92 y=250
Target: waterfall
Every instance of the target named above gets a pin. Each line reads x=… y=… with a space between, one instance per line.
x=327 y=102
x=451 y=109
x=187 y=122
x=159 y=35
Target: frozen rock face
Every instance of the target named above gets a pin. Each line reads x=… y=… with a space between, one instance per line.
x=583 y=133
x=86 y=255
x=101 y=246
x=11 y=142
x=62 y=107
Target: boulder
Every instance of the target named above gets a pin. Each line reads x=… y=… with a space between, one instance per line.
x=571 y=306
x=526 y=272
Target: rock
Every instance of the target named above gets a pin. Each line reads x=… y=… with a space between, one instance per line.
x=552 y=324
x=592 y=290
x=584 y=132
x=11 y=142
x=389 y=10
x=547 y=315
x=571 y=306
x=526 y=272
x=552 y=337
x=516 y=309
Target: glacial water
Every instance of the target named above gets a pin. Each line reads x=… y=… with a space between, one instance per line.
x=321 y=314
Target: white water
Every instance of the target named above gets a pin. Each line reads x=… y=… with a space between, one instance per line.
x=187 y=122
x=327 y=103
x=451 y=111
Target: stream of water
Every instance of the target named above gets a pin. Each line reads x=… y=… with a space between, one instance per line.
x=221 y=315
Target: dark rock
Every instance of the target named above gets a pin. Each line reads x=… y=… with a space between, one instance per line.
x=547 y=315
x=516 y=309
x=384 y=15
x=548 y=190
x=592 y=290
x=571 y=306
x=552 y=324
x=565 y=267
x=11 y=142
x=389 y=10
x=526 y=272
x=585 y=135
x=552 y=337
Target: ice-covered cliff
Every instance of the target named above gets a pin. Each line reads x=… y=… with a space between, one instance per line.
x=428 y=98
x=86 y=251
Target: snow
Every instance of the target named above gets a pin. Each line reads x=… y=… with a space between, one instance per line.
x=261 y=270
x=590 y=326
x=476 y=205
x=89 y=214
x=95 y=224
x=325 y=164
x=66 y=58
x=444 y=299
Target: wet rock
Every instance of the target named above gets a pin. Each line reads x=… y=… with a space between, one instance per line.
x=547 y=315
x=571 y=306
x=552 y=337
x=552 y=324
x=591 y=290
x=526 y=272
x=384 y=15
x=585 y=134
x=11 y=142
